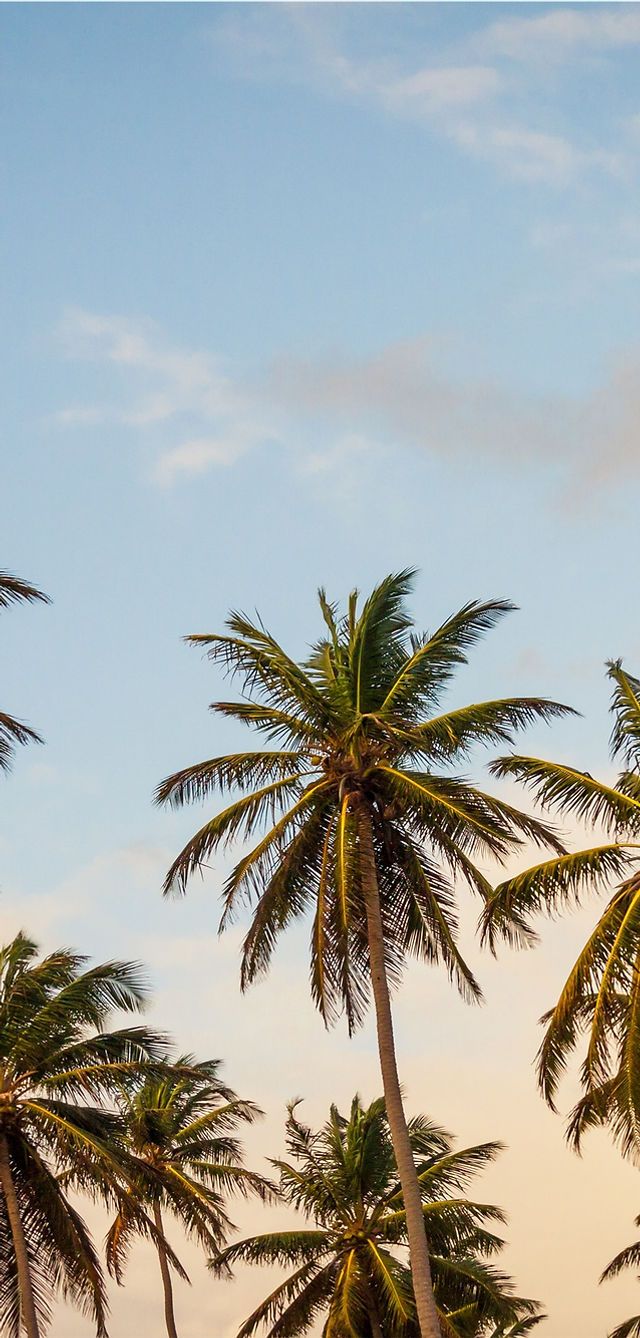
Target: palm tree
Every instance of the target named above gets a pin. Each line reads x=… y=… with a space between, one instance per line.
x=360 y=815
x=181 y=1127
x=58 y=1064
x=13 y=590
x=627 y=1258
x=602 y=993
x=348 y=1264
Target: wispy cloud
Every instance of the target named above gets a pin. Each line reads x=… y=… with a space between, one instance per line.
x=441 y=91
x=205 y=413
x=560 y=33
x=328 y=411
x=402 y=395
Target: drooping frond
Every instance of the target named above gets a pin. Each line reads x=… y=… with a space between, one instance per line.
x=549 y=886
x=355 y=722
x=455 y=733
x=625 y=707
x=238 y=770
x=13 y=590
x=13 y=732
x=627 y=1258
x=574 y=792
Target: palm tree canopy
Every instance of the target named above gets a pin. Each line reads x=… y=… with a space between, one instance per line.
x=627 y=1258
x=181 y=1125
x=350 y=1264
x=13 y=590
x=358 y=722
x=58 y=1063
x=602 y=993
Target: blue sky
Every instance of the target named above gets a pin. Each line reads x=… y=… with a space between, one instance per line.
x=298 y=295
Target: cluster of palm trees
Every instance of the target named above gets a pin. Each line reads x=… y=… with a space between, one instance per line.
x=353 y=813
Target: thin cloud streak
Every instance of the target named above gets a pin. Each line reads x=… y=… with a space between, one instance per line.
x=157 y=384
x=401 y=396
x=561 y=33
x=439 y=93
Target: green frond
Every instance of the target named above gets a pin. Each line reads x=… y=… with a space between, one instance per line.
x=285 y=898
x=625 y=707
x=427 y=670
x=435 y=803
x=13 y=732
x=239 y=819
x=575 y=1005
x=237 y=770
x=492 y=722
x=379 y=631
x=276 y=724
x=548 y=886
x=573 y=792
x=292 y=1307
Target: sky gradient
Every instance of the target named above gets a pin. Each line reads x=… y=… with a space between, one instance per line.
x=299 y=295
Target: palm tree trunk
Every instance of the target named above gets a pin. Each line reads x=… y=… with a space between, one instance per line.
x=28 y=1316
x=418 y=1247
x=166 y=1276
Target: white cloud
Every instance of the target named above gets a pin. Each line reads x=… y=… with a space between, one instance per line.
x=344 y=406
x=534 y=156
x=306 y=45
x=558 y=33
x=444 y=86
x=157 y=385
x=196 y=457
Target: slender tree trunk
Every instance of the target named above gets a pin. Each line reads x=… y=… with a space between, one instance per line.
x=28 y=1316
x=166 y=1276
x=418 y=1247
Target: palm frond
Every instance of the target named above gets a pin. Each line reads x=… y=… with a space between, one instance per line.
x=548 y=886
x=571 y=791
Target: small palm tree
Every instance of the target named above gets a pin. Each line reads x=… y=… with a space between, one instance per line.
x=58 y=1064
x=349 y=1263
x=360 y=815
x=602 y=992
x=180 y=1127
x=627 y=1258
x=15 y=591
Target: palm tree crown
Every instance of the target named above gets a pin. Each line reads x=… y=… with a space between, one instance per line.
x=602 y=992
x=180 y=1126
x=58 y=1063
x=362 y=817
x=349 y=1264
x=13 y=590
x=356 y=729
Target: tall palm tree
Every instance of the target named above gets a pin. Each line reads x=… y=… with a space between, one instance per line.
x=627 y=1258
x=181 y=1126
x=601 y=995
x=360 y=815
x=13 y=590
x=348 y=1263
x=58 y=1064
